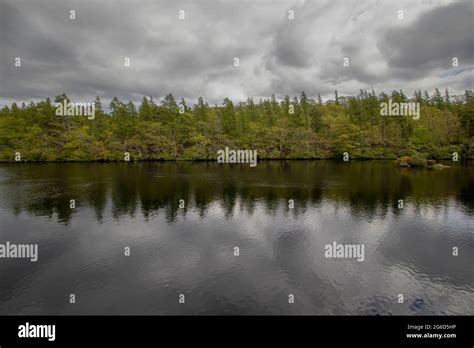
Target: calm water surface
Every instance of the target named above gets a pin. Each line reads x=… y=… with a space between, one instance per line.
x=191 y=251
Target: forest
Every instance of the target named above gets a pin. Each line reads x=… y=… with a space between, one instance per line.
x=297 y=128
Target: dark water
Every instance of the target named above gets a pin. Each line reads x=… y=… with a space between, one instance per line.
x=190 y=251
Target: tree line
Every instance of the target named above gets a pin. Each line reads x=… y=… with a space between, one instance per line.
x=297 y=128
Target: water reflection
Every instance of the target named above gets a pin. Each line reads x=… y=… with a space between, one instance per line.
x=370 y=189
x=190 y=250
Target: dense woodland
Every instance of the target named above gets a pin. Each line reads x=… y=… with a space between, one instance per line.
x=316 y=129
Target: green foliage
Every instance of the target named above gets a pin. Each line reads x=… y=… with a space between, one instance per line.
x=403 y=161
x=315 y=129
x=417 y=160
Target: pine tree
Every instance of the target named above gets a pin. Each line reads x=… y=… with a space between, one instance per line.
x=426 y=98
x=437 y=99
x=447 y=100
x=97 y=105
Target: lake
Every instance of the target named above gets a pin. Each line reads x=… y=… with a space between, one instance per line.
x=184 y=221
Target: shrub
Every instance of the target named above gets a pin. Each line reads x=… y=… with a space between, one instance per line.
x=417 y=160
x=403 y=161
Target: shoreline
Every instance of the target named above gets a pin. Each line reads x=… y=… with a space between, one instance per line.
x=468 y=160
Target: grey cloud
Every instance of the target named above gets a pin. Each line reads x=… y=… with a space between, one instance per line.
x=336 y=73
x=194 y=57
x=431 y=41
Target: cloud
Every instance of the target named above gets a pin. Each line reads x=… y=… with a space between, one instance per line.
x=431 y=42
x=194 y=57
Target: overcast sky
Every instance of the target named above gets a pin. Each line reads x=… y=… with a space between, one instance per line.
x=194 y=57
